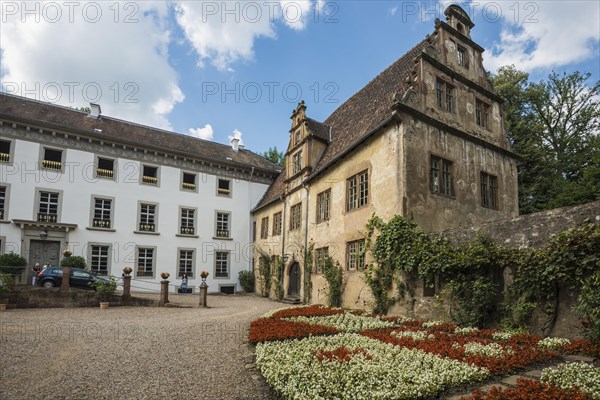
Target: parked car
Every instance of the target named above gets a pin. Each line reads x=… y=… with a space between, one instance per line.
x=78 y=278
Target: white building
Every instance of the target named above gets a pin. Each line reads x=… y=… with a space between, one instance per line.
x=121 y=194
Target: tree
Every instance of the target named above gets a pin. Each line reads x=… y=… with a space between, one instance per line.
x=554 y=125
x=275 y=156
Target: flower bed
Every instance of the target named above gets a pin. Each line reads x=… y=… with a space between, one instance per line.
x=346 y=322
x=529 y=389
x=583 y=376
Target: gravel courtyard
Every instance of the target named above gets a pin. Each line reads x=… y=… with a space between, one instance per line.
x=132 y=352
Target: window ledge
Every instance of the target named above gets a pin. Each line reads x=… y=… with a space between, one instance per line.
x=146 y=233
x=221 y=277
x=5 y=221
x=222 y=238
x=144 y=277
x=90 y=228
x=188 y=236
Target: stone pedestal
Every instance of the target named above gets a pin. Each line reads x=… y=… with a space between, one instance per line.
x=164 y=293
x=127 y=286
x=203 y=291
x=64 y=287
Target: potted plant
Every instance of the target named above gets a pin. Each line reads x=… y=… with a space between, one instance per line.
x=127 y=271
x=203 y=275
x=165 y=275
x=104 y=289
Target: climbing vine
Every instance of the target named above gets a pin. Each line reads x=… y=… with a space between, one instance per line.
x=264 y=272
x=277 y=282
x=308 y=262
x=334 y=276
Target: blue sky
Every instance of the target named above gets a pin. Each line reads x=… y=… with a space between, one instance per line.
x=214 y=69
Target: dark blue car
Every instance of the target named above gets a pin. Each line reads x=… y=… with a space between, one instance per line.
x=78 y=278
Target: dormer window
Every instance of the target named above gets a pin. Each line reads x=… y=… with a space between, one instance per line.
x=297 y=137
x=461 y=57
x=297 y=162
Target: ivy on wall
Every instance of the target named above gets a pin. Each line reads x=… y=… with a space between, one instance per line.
x=471 y=273
x=308 y=262
x=334 y=275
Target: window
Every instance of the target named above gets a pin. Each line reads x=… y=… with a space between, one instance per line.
x=444 y=95
x=222 y=264
x=355 y=255
x=187 y=221
x=147 y=218
x=482 y=112
x=440 y=176
x=320 y=257
x=264 y=228
x=102 y=213
x=461 y=57
x=277 y=222
x=323 y=205
x=99 y=259
x=188 y=181
x=3 y=202
x=223 y=225
x=357 y=190
x=489 y=190
x=224 y=187
x=52 y=159
x=5 y=151
x=150 y=175
x=297 y=162
x=297 y=135
x=105 y=168
x=48 y=207
x=145 y=261
x=296 y=217
x=186 y=263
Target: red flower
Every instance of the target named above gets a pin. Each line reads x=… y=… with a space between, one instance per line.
x=527 y=389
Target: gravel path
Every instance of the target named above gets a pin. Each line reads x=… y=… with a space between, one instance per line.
x=133 y=352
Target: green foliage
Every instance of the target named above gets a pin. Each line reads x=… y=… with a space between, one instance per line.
x=554 y=126
x=588 y=306
x=308 y=262
x=474 y=301
x=246 y=281
x=104 y=288
x=7 y=282
x=74 y=262
x=275 y=156
x=264 y=271
x=279 y=266
x=334 y=276
x=10 y=262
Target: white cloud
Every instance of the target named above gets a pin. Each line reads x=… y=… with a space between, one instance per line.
x=75 y=53
x=224 y=32
x=206 y=133
x=236 y=134
x=393 y=10
x=543 y=34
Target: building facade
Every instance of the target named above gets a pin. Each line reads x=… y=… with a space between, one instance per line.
x=121 y=194
x=424 y=138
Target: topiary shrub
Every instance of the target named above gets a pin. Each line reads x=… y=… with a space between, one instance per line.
x=10 y=263
x=246 y=281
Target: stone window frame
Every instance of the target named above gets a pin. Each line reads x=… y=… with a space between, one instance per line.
x=137 y=260
x=357 y=191
x=482 y=113
x=11 y=151
x=277 y=224
x=178 y=264
x=229 y=224
x=180 y=217
x=320 y=255
x=138 y=225
x=228 y=265
x=297 y=162
x=464 y=60
x=442 y=96
x=296 y=216
x=157 y=177
x=324 y=206
x=488 y=186
x=222 y=192
x=42 y=158
x=111 y=213
x=36 y=209
x=97 y=158
x=183 y=173
x=90 y=255
x=446 y=189
x=264 y=227
x=6 y=200
x=354 y=256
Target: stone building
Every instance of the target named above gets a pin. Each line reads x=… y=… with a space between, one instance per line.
x=123 y=194
x=423 y=138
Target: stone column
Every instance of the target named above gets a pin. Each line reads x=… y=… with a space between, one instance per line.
x=164 y=293
x=64 y=287
x=127 y=286
x=203 y=291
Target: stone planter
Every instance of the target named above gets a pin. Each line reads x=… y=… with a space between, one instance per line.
x=2 y=307
x=104 y=305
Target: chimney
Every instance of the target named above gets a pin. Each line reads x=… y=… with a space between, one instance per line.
x=95 y=111
x=235 y=144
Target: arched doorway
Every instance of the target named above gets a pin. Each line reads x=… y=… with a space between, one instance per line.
x=294 y=280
